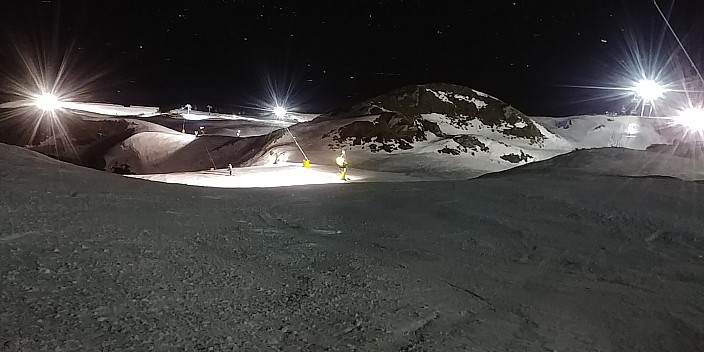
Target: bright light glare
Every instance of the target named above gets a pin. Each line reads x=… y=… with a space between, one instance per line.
x=649 y=90
x=279 y=175
x=632 y=129
x=279 y=112
x=47 y=102
x=278 y=158
x=692 y=118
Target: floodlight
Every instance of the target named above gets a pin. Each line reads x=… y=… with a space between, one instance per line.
x=47 y=102
x=649 y=90
x=632 y=129
x=279 y=112
x=692 y=118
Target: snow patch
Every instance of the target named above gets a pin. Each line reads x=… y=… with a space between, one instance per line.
x=442 y=96
x=482 y=94
x=480 y=104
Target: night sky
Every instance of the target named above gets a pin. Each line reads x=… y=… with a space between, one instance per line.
x=328 y=53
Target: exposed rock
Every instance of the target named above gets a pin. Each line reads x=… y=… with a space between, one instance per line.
x=390 y=131
x=515 y=158
x=465 y=144
x=432 y=127
x=470 y=142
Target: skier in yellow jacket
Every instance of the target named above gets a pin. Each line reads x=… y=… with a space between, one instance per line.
x=342 y=164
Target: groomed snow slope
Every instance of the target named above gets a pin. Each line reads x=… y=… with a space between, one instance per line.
x=529 y=262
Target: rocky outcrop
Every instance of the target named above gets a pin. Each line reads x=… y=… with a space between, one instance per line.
x=418 y=113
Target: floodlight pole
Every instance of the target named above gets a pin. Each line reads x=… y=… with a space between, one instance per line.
x=188 y=112
x=280 y=113
x=297 y=145
x=651 y=105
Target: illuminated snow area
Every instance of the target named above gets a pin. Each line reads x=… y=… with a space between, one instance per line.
x=278 y=175
x=599 y=131
x=113 y=109
x=692 y=118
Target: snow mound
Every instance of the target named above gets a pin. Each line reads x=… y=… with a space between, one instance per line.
x=159 y=152
x=618 y=162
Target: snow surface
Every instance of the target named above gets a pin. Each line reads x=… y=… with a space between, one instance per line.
x=274 y=175
x=150 y=149
x=530 y=260
x=404 y=165
x=598 y=131
x=478 y=103
x=442 y=96
x=112 y=109
x=562 y=135
x=153 y=150
x=482 y=94
x=624 y=162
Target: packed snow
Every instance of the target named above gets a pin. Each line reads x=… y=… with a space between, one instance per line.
x=529 y=260
x=112 y=109
x=478 y=103
x=281 y=174
x=443 y=96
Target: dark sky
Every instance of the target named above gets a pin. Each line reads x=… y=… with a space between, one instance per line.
x=226 y=53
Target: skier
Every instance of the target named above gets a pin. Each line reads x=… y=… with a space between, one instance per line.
x=342 y=164
x=229 y=168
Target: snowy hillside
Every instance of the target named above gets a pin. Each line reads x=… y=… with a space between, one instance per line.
x=432 y=131
x=439 y=130
x=449 y=131
x=128 y=139
x=600 y=131
x=436 y=130
x=79 y=138
x=177 y=152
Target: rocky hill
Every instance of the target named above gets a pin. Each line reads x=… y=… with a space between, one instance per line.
x=450 y=112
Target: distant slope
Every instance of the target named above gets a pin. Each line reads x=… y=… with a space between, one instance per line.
x=79 y=138
x=157 y=152
x=600 y=131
